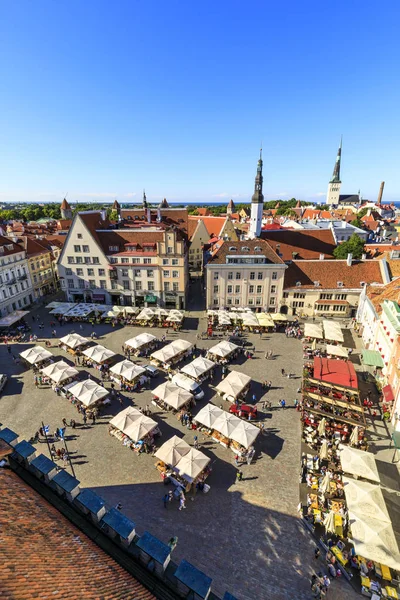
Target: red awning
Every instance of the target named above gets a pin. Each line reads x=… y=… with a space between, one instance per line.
x=388 y=393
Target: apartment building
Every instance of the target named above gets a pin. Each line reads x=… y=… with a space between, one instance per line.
x=135 y=264
x=245 y=274
x=16 y=290
x=40 y=264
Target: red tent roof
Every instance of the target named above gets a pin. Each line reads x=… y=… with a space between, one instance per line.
x=336 y=372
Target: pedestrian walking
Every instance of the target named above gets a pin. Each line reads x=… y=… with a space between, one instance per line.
x=237 y=460
x=317 y=552
x=239 y=476
x=182 y=502
x=93 y=419
x=196 y=442
x=282 y=403
x=254 y=399
x=84 y=418
x=283 y=372
x=166 y=500
x=72 y=423
x=9 y=349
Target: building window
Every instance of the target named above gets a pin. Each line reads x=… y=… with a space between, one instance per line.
x=216 y=275
x=230 y=289
x=259 y=289
x=229 y=301
x=175 y=262
x=125 y=273
x=230 y=275
x=150 y=273
x=138 y=285
x=299 y=305
x=252 y=275
x=272 y=301
x=250 y=301
x=77 y=248
x=114 y=285
x=251 y=289
x=166 y=286
x=237 y=289
x=238 y=275
x=92 y=284
x=340 y=296
x=102 y=272
x=325 y=296
x=258 y=301
x=79 y=260
x=70 y=283
x=274 y=275
x=215 y=300
x=150 y=286
x=85 y=249
x=81 y=284
x=147 y=261
x=166 y=273
x=237 y=301
x=103 y=284
x=339 y=308
x=90 y=272
x=125 y=261
x=96 y=260
x=67 y=272
x=175 y=274
x=79 y=236
x=273 y=289
x=165 y=261
x=87 y=260
x=175 y=286
x=169 y=250
x=113 y=248
x=215 y=289
x=71 y=260
x=299 y=295
x=126 y=284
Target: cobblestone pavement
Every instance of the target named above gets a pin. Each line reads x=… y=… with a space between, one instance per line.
x=246 y=536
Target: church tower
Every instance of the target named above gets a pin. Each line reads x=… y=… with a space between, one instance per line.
x=333 y=195
x=257 y=203
x=66 y=210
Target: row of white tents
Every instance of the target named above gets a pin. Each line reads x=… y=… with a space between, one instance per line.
x=134 y=424
x=228 y=425
x=81 y=310
x=330 y=330
x=186 y=461
x=171 y=351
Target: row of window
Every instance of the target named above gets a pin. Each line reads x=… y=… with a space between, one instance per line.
x=335 y=307
x=252 y=289
x=10 y=276
x=18 y=304
x=42 y=263
x=238 y=275
x=126 y=261
x=14 y=289
x=10 y=259
x=250 y=302
x=126 y=285
x=321 y=296
x=79 y=260
x=246 y=261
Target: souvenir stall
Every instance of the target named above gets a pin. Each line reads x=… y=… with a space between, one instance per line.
x=88 y=393
x=333 y=331
x=141 y=343
x=199 y=369
x=127 y=373
x=338 y=351
x=74 y=343
x=61 y=375
x=134 y=429
x=171 y=354
x=146 y=318
x=234 y=387
x=174 y=319
x=243 y=437
x=169 y=396
x=223 y=427
x=206 y=418
x=37 y=356
x=97 y=356
x=184 y=466
x=222 y=352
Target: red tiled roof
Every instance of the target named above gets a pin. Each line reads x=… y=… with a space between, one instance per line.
x=213 y=224
x=330 y=272
x=170 y=216
x=203 y=212
x=64 y=223
x=307 y=243
x=225 y=249
x=339 y=372
x=65 y=205
x=12 y=249
x=377 y=295
x=42 y=553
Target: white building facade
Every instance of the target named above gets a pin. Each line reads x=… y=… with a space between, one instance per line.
x=16 y=291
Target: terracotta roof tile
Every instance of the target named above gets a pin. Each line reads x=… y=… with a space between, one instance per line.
x=378 y=294
x=44 y=556
x=213 y=224
x=225 y=249
x=330 y=272
x=308 y=244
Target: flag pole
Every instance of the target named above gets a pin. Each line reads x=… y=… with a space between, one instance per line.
x=47 y=440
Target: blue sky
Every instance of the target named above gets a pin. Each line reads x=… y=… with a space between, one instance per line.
x=102 y=99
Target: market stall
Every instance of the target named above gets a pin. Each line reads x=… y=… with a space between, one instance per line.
x=223 y=427
x=60 y=372
x=249 y=320
x=234 y=387
x=244 y=435
x=98 y=355
x=127 y=372
x=171 y=354
x=134 y=429
x=36 y=355
x=278 y=317
x=208 y=415
x=12 y=318
x=171 y=452
x=74 y=342
x=62 y=308
x=339 y=351
x=222 y=352
x=142 y=342
x=313 y=331
x=192 y=467
x=168 y=395
x=199 y=369
x=333 y=331
x=265 y=320
x=88 y=393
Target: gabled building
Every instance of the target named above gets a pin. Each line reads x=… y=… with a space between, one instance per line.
x=16 y=291
x=40 y=264
x=203 y=229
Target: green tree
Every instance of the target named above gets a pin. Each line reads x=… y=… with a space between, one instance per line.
x=357 y=222
x=354 y=246
x=361 y=213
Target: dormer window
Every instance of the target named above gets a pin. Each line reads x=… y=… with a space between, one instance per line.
x=298 y=283
x=245 y=249
x=232 y=249
x=258 y=249
x=362 y=283
x=340 y=283
x=113 y=248
x=316 y=283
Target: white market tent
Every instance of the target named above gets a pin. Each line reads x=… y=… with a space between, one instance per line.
x=128 y=370
x=182 y=345
x=191 y=465
x=226 y=423
x=172 y=451
x=312 y=330
x=140 y=340
x=74 y=340
x=245 y=433
x=13 y=317
x=264 y=320
x=249 y=319
x=63 y=308
x=337 y=351
x=359 y=463
x=208 y=415
x=36 y=355
x=98 y=354
x=278 y=317
x=140 y=428
x=172 y=395
x=233 y=384
x=54 y=304
x=88 y=392
x=125 y=418
x=171 y=350
x=223 y=349
x=198 y=367
x=59 y=371
x=374 y=540
x=366 y=499
x=80 y=310
x=332 y=331
x=146 y=314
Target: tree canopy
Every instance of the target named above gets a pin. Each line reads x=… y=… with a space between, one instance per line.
x=354 y=246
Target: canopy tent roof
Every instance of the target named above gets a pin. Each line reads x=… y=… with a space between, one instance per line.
x=223 y=349
x=82 y=310
x=128 y=370
x=59 y=371
x=191 y=465
x=245 y=433
x=88 y=392
x=131 y=310
x=233 y=384
x=335 y=372
x=264 y=320
x=249 y=319
x=172 y=451
x=140 y=428
x=372 y=358
x=313 y=330
x=171 y=350
x=359 y=463
x=372 y=501
x=337 y=351
x=54 y=304
x=74 y=340
x=36 y=355
x=278 y=317
x=333 y=331
x=62 y=308
x=198 y=367
x=226 y=423
x=98 y=354
x=110 y=314
x=224 y=318
x=13 y=317
x=208 y=415
x=146 y=314
x=125 y=418
x=172 y=395
x=140 y=340
x=374 y=540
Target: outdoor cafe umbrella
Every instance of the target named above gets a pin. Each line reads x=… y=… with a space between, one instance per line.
x=326 y=484
x=140 y=428
x=172 y=451
x=323 y=451
x=321 y=426
x=329 y=522
x=354 y=437
x=192 y=464
x=208 y=415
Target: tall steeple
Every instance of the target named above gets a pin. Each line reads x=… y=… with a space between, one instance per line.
x=257 y=202
x=144 y=199
x=333 y=194
x=336 y=168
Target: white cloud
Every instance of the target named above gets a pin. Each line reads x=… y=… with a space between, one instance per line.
x=223 y=195
x=129 y=195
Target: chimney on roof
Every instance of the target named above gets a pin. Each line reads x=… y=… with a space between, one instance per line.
x=349 y=259
x=321 y=256
x=380 y=192
x=148 y=215
x=103 y=214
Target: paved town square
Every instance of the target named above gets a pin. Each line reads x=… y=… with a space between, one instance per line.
x=245 y=535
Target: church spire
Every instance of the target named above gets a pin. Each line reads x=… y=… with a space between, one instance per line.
x=336 y=169
x=144 y=199
x=258 y=197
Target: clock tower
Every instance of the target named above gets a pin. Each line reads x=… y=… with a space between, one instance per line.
x=257 y=203
x=333 y=195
